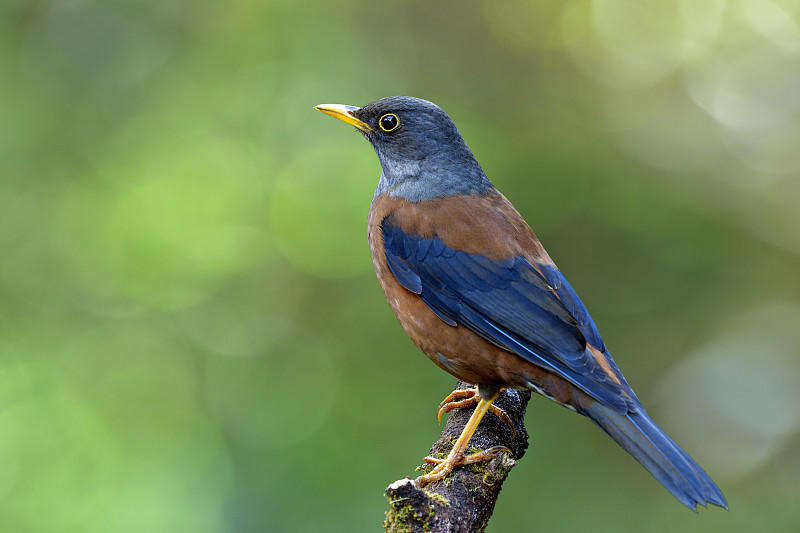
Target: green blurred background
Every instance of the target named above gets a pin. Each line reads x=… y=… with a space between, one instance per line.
x=191 y=335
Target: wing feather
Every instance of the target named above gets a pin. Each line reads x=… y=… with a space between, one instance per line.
x=529 y=310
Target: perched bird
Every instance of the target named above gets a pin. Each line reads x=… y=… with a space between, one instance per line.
x=475 y=290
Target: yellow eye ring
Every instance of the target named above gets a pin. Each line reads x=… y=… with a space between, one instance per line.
x=389 y=122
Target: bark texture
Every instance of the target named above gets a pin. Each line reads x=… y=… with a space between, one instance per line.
x=464 y=501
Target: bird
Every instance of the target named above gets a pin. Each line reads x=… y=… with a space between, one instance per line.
x=475 y=290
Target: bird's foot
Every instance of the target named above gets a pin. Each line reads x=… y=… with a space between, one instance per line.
x=457 y=457
x=446 y=465
x=461 y=398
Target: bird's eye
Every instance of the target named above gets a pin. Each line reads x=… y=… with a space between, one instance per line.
x=389 y=122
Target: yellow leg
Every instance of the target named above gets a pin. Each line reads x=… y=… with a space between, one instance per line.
x=460 y=398
x=456 y=456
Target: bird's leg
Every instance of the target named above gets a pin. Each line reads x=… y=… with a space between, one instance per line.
x=456 y=456
x=460 y=398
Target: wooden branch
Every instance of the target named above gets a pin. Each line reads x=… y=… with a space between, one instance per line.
x=463 y=501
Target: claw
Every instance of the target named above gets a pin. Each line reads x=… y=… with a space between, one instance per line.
x=461 y=398
x=456 y=456
x=477 y=457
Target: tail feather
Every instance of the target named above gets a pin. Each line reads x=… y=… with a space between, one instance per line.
x=659 y=454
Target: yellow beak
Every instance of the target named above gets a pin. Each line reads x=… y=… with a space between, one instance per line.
x=345 y=113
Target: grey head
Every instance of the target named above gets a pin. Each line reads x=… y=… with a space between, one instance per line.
x=421 y=152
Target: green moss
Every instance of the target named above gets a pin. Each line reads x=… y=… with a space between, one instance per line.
x=489 y=477
x=438 y=498
x=400 y=515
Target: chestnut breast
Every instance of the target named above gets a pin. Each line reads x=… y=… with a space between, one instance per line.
x=488 y=225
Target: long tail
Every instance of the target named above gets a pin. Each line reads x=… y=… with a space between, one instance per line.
x=659 y=454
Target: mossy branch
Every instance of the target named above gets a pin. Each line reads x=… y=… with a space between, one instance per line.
x=464 y=501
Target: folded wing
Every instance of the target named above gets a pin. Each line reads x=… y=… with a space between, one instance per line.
x=530 y=310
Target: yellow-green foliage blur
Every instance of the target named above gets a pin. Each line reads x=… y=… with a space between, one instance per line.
x=191 y=335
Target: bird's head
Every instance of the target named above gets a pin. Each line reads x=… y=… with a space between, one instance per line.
x=422 y=154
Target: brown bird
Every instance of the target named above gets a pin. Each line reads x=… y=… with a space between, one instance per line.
x=475 y=290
